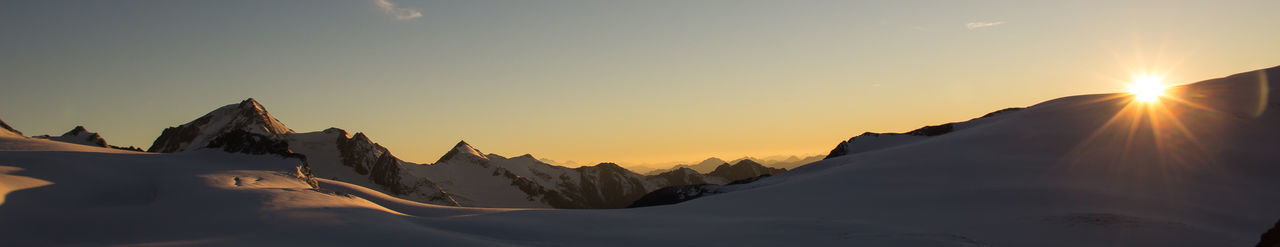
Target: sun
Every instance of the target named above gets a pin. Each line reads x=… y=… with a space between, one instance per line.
x=1147 y=88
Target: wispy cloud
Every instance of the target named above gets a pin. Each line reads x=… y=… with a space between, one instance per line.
x=977 y=25
x=399 y=13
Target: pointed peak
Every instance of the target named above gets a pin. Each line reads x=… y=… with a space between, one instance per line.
x=79 y=129
x=462 y=149
x=525 y=156
x=250 y=107
x=360 y=136
x=462 y=146
x=250 y=102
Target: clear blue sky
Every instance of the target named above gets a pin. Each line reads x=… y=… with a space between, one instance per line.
x=594 y=81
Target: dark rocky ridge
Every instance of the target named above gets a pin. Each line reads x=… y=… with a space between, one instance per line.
x=10 y=129
x=926 y=131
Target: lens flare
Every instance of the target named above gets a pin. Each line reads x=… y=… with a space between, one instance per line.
x=1147 y=88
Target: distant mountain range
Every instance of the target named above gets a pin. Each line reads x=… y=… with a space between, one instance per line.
x=710 y=164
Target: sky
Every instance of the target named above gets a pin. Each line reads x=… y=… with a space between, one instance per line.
x=632 y=82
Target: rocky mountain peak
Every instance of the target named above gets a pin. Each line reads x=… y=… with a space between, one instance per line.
x=78 y=135
x=462 y=150
x=248 y=115
x=79 y=129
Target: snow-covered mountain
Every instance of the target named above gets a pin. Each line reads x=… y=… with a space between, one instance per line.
x=491 y=180
x=82 y=136
x=1197 y=169
x=463 y=176
x=335 y=154
x=247 y=127
x=248 y=116
x=79 y=135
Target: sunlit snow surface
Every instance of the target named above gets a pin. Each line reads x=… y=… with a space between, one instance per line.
x=1093 y=170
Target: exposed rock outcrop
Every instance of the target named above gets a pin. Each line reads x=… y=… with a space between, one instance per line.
x=240 y=141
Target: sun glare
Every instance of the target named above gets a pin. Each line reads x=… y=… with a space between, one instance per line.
x=1147 y=88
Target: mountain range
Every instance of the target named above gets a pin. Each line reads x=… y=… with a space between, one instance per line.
x=464 y=176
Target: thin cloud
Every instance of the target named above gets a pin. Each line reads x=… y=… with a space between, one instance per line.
x=399 y=13
x=977 y=25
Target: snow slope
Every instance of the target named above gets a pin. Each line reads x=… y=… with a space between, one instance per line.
x=1091 y=169
x=59 y=195
x=62 y=194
